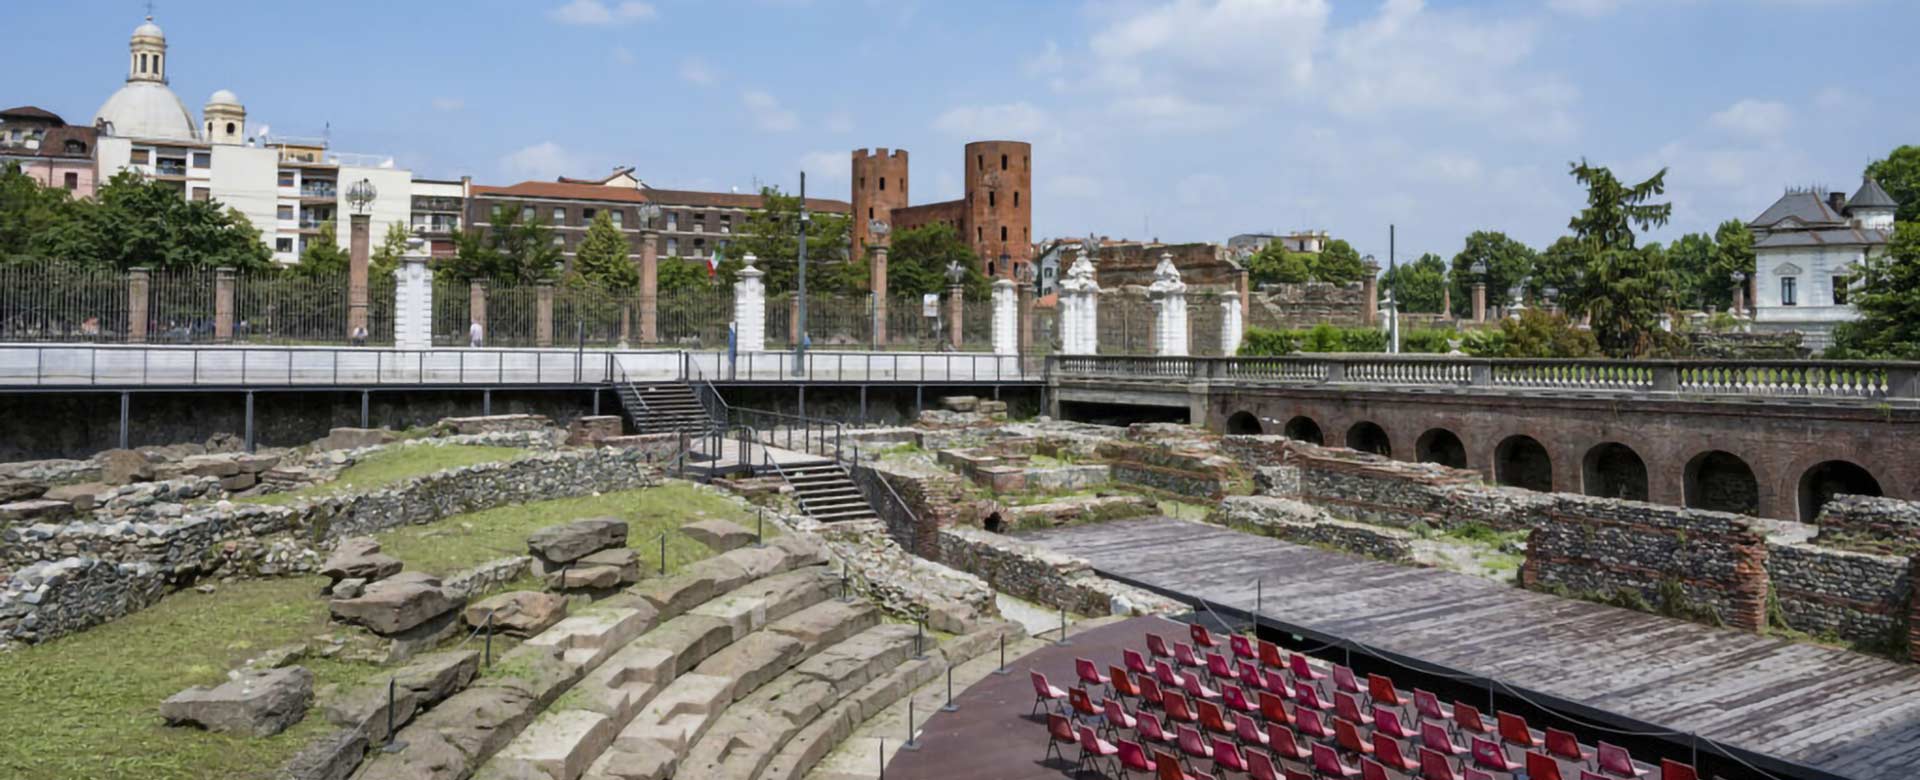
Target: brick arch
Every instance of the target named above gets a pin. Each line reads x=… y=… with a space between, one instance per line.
x=1713 y=480
x=1441 y=445
x=1788 y=479
x=1520 y=459
x=1245 y=423
x=1612 y=469
x=1369 y=436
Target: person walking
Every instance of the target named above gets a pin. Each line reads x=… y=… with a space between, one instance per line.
x=474 y=335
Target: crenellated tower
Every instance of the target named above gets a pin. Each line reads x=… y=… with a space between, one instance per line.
x=879 y=187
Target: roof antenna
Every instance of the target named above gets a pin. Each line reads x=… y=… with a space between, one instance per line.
x=149 y=10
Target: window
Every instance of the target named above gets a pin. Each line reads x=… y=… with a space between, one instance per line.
x=202 y=160
x=726 y=223
x=991 y=199
x=673 y=247
x=1839 y=287
x=526 y=213
x=73 y=181
x=989 y=267
x=1003 y=162
x=1789 y=291
x=140 y=156
x=560 y=241
x=286 y=178
x=143 y=63
x=883 y=184
x=231 y=128
x=1003 y=232
x=619 y=217
x=559 y=215
x=201 y=194
x=863 y=182
x=869 y=212
x=285 y=212
x=699 y=247
x=979 y=234
x=283 y=245
x=1016 y=199
x=673 y=221
x=980 y=162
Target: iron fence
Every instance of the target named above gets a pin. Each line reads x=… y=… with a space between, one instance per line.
x=1125 y=325
x=278 y=309
x=452 y=312
x=585 y=315
x=180 y=307
x=695 y=318
x=62 y=302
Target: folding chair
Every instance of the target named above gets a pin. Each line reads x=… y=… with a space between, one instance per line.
x=1167 y=767
x=1133 y=758
x=1327 y=763
x=1242 y=647
x=1093 y=748
x=1372 y=770
x=1083 y=707
x=1167 y=676
x=1192 y=745
x=1514 y=730
x=1177 y=709
x=1586 y=775
x=1429 y=706
x=1674 y=770
x=1466 y=718
x=1123 y=686
x=1307 y=696
x=1117 y=717
x=1303 y=670
x=1387 y=722
x=1202 y=638
x=1345 y=706
x=1247 y=731
x=1563 y=744
x=1541 y=766
x=1469 y=773
x=1088 y=673
x=1487 y=754
x=1248 y=674
x=1198 y=691
x=1309 y=723
x=1434 y=736
x=1227 y=756
x=1059 y=730
x=1185 y=657
x=1135 y=663
x=1347 y=736
x=1274 y=710
x=1381 y=691
x=1149 y=728
x=1343 y=679
x=1044 y=692
x=1434 y=766
x=1270 y=655
x=1157 y=646
x=1386 y=750
x=1212 y=719
x=1289 y=773
x=1276 y=681
x=1615 y=760
x=1236 y=699
x=1260 y=766
x=1280 y=740
x=1150 y=692
x=1218 y=668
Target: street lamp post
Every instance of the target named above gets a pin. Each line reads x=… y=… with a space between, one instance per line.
x=649 y=280
x=800 y=326
x=1479 y=271
x=360 y=196
x=877 y=232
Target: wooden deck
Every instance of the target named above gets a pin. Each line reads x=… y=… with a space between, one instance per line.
x=1841 y=713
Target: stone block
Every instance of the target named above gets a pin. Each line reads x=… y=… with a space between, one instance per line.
x=960 y=403
x=477 y=722
x=34 y=510
x=83 y=496
x=210 y=466
x=590 y=636
x=392 y=607
x=659 y=763
x=560 y=745
x=256 y=463
x=719 y=535
x=259 y=704
x=518 y=613
x=742 y=614
x=827 y=623
x=12 y=490
x=542 y=673
x=238 y=482
x=679 y=714
x=365 y=709
x=592 y=429
x=587 y=578
x=333 y=757
x=428 y=755
x=693 y=586
x=436 y=676
x=355 y=438
x=359 y=558
x=851 y=664
x=570 y=542
x=691 y=638
x=749 y=663
x=121 y=467
x=626 y=682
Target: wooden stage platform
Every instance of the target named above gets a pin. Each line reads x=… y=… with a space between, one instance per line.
x=1837 y=713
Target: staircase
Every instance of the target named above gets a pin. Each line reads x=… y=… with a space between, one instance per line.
x=663 y=407
x=825 y=491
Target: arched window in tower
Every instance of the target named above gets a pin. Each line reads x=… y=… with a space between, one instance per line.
x=980 y=161
x=143 y=63
x=990 y=199
x=883 y=184
x=1003 y=162
x=979 y=234
x=159 y=65
x=230 y=128
x=1003 y=232
x=1016 y=199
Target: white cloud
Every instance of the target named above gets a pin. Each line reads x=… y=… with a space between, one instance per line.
x=545 y=160
x=597 y=12
x=1754 y=118
x=448 y=104
x=1168 y=111
x=827 y=166
x=1005 y=120
x=767 y=113
x=694 y=70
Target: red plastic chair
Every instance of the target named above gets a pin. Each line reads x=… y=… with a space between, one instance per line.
x=1274 y=710
x=1150 y=692
x=1212 y=719
x=1059 y=730
x=1328 y=764
x=1429 y=706
x=1236 y=700
x=1674 y=770
x=1177 y=709
x=1088 y=673
x=1227 y=756
x=1307 y=696
x=1134 y=661
x=1149 y=728
x=1218 y=667
x=1287 y=773
x=1093 y=748
x=1372 y=770
x=1260 y=766
x=1387 y=751
x=1167 y=767
x=1343 y=679
x=1514 y=731
x=1303 y=670
x=1122 y=684
x=1277 y=682
x=1487 y=754
x=1310 y=724
x=1083 y=706
x=1469 y=773
x=1248 y=674
x=1198 y=691
x=1242 y=647
x=1270 y=655
x=1466 y=718
x=1563 y=744
x=1381 y=690
x=1157 y=647
x=1185 y=657
x=1347 y=736
x=1434 y=736
x=1541 y=766
x=1387 y=722
x=1201 y=636
x=1280 y=740
x=1133 y=758
x=1247 y=731
x=1434 y=766
x=1167 y=676
x=1192 y=745
x=1615 y=760
x=1345 y=706
x=1117 y=717
x=1586 y=775
x=1044 y=692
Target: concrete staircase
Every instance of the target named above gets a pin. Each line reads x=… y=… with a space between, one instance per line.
x=663 y=407
x=825 y=491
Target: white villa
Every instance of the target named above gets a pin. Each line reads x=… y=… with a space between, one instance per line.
x=1808 y=246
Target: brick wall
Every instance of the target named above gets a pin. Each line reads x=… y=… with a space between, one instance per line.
x=1858 y=597
x=1710 y=566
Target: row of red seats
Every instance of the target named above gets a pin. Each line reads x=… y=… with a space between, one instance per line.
x=1266 y=723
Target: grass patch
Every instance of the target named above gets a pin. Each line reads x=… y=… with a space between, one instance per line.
x=463 y=541
x=1477 y=533
x=395 y=465
x=87 y=705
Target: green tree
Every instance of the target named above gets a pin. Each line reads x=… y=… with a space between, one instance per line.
x=28 y=212
x=508 y=250
x=603 y=258
x=676 y=275
x=1508 y=261
x=771 y=234
x=1899 y=175
x=918 y=257
x=386 y=257
x=1339 y=264
x=132 y=222
x=1888 y=302
x=1625 y=288
x=1417 y=285
x=1536 y=333
x=1732 y=251
x=1691 y=257
x=323 y=255
x=1274 y=264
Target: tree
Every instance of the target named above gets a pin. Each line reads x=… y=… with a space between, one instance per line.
x=918 y=258
x=28 y=212
x=323 y=255
x=772 y=233
x=1274 y=264
x=1417 y=285
x=1339 y=264
x=1536 y=333
x=1732 y=251
x=1888 y=302
x=603 y=258
x=386 y=257
x=1899 y=175
x=509 y=251
x=676 y=275
x=1508 y=261
x=132 y=222
x=1691 y=257
x=1625 y=288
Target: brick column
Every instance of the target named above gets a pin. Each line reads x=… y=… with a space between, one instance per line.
x=878 y=284
x=955 y=308
x=793 y=320
x=1370 y=291
x=649 y=288
x=477 y=308
x=1479 y=301
x=357 y=259
x=543 y=315
x=223 y=284
x=1026 y=319
x=139 y=284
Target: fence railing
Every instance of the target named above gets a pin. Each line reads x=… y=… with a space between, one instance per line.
x=1820 y=380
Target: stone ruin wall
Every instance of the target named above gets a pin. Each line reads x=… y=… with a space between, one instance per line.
x=1044 y=577
x=1383 y=491
x=1710 y=566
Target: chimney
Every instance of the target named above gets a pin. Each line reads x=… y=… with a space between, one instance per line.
x=1838 y=200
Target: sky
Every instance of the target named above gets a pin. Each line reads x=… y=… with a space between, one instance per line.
x=1177 y=120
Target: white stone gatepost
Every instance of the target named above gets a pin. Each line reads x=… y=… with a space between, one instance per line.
x=1080 y=309
x=750 y=309
x=413 y=300
x=1006 y=318
x=1230 y=323
x=1169 y=296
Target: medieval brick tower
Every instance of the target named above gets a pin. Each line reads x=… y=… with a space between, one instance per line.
x=994 y=216
x=879 y=187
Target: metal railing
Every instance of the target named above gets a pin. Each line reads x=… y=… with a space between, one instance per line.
x=1819 y=380
x=839 y=366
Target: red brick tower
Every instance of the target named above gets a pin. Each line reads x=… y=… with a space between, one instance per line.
x=1000 y=204
x=879 y=187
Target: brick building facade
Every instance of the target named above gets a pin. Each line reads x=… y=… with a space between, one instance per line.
x=994 y=215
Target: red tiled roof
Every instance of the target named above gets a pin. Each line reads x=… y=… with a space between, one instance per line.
x=55 y=142
x=575 y=190
x=562 y=191
x=33 y=112
x=736 y=200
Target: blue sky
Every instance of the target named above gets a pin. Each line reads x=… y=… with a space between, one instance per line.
x=1177 y=119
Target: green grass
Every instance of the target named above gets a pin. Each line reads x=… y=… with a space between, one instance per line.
x=394 y=465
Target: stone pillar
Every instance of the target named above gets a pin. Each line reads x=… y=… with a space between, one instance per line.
x=1479 y=301
x=1739 y=299
x=877 y=282
x=649 y=288
x=223 y=288
x=1446 y=299
x=1232 y=323
x=1370 y=296
x=1246 y=300
x=358 y=248
x=543 y=315
x=793 y=320
x=1006 y=318
x=477 y=308
x=750 y=309
x=1080 y=310
x=1169 y=296
x=139 y=285
x=1025 y=295
x=626 y=326
x=956 y=306
x=413 y=303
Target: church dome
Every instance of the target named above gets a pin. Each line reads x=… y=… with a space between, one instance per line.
x=147 y=109
x=224 y=97
x=149 y=30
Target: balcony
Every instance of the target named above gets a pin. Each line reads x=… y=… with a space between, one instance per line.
x=436 y=228
x=170 y=168
x=328 y=192
x=438 y=204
